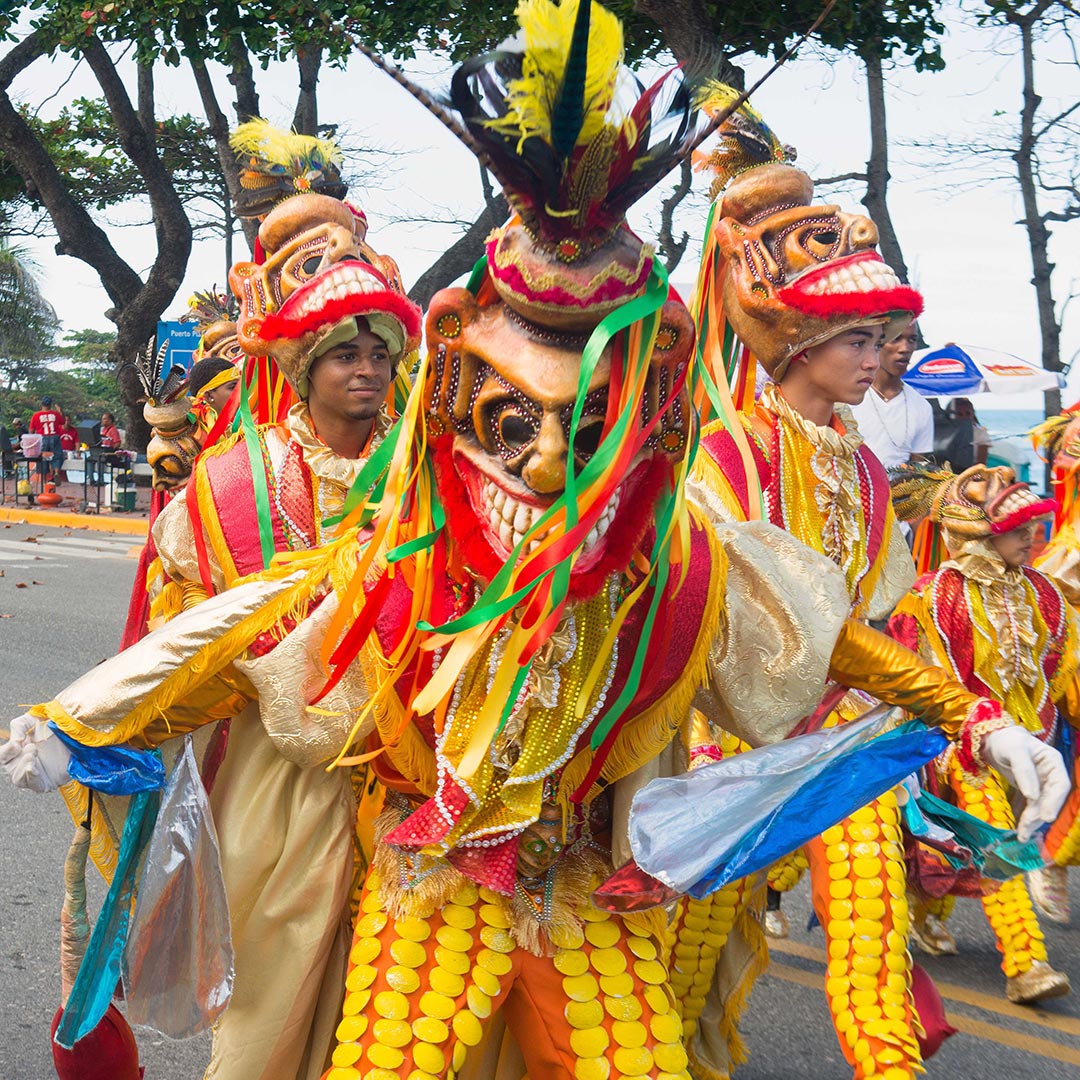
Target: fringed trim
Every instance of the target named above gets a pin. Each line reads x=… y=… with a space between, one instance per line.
x=437 y=887
x=648 y=734
x=168 y=603
x=409 y=754
x=203 y=666
x=749 y=925
x=577 y=874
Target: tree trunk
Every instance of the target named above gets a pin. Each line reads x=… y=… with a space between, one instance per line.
x=877 y=168
x=243 y=80
x=137 y=319
x=306 y=117
x=460 y=257
x=219 y=130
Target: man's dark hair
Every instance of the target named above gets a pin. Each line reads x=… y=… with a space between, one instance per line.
x=204 y=371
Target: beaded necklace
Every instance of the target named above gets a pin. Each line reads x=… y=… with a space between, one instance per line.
x=821 y=492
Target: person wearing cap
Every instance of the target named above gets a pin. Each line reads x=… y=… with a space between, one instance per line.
x=48 y=422
x=1006 y=630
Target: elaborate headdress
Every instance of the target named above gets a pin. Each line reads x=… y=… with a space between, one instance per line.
x=978 y=503
x=782 y=273
x=541 y=446
x=172 y=447
x=276 y=164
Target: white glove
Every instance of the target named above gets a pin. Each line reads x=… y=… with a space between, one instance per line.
x=1034 y=769
x=34 y=758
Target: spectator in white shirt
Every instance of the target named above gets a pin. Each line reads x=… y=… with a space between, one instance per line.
x=895 y=421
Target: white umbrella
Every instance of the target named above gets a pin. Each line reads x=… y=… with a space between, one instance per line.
x=959 y=370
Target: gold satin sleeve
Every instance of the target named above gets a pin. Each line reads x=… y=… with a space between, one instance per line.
x=867 y=660
x=225 y=695
x=217 y=698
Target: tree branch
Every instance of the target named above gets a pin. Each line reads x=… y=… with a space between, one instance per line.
x=460 y=257
x=841 y=179
x=219 y=131
x=672 y=250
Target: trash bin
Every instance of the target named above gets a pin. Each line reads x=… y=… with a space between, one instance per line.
x=124 y=500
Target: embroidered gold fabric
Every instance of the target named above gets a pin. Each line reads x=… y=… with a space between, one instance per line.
x=291 y=675
x=785 y=607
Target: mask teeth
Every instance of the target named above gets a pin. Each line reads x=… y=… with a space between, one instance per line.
x=855 y=277
x=510 y=519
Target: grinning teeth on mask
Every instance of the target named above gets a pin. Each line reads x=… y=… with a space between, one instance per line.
x=868 y=276
x=332 y=289
x=1015 y=502
x=510 y=519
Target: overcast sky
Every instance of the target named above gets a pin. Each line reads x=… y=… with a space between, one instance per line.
x=965 y=250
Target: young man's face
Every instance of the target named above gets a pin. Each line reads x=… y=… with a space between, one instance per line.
x=351 y=380
x=1014 y=547
x=219 y=396
x=841 y=369
x=896 y=354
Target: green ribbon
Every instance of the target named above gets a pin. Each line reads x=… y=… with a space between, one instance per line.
x=258 y=476
x=489 y=606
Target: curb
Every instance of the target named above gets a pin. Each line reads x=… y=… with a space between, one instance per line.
x=60 y=519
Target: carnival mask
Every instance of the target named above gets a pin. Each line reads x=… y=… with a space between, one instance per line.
x=499 y=400
x=220 y=340
x=987 y=501
x=301 y=237
x=796 y=274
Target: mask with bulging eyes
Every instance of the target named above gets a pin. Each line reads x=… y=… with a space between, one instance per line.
x=301 y=237
x=796 y=274
x=987 y=501
x=500 y=398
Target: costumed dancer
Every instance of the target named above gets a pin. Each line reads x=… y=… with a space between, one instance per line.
x=516 y=617
x=1005 y=630
x=798 y=288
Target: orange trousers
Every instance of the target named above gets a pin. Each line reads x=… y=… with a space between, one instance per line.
x=421 y=989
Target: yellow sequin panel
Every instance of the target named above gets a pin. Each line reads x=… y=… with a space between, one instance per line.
x=418 y=989
x=858 y=876
x=698 y=935
x=1009 y=910
x=787 y=873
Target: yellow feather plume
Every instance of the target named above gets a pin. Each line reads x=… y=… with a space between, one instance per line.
x=273 y=146
x=547 y=29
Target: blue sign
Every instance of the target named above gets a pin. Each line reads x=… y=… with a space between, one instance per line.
x=944 y=372
x=183 y=339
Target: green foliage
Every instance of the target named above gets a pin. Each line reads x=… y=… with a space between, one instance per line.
x=274 y=31
x=83 y=142
x=28 y=323
x=75 y=396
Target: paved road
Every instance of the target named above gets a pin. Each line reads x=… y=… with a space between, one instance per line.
x=69 y=617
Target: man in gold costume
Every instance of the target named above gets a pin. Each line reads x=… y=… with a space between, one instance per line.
x=798 y=288
x=512 y=625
